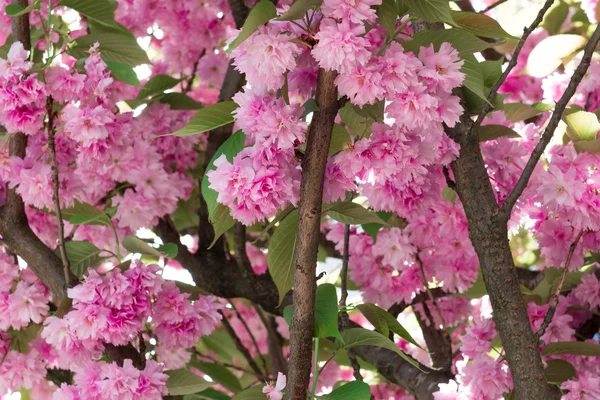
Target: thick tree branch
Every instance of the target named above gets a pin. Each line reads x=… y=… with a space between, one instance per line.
x=14 y=227
x=511 y=64
x=220 y=274
x=578 y=75
x=421 y=382
x=307 y=240
x=489 y=235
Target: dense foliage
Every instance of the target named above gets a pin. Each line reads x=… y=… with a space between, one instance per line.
x=170 y=172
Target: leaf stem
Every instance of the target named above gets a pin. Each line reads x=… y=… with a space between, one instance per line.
x=315 y=370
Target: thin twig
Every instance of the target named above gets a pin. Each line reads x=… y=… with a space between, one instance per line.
x=554 y=301
x=190 y=80
x=512 y=63
x=582 y=68
x=274 y=342
x=224 y=364
x=243 y=321
x=492 y=6
x=451 y=184
x=344 y=314
x=345 y=260
x=429 y=294
x=55 y=191
x=240 y=346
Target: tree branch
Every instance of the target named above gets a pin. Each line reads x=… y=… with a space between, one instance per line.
x=421 y=382
x=489 y=235
x=511 y=64
x=582 y=68
x=275 y=343
x=492 y=6
x=55 y=192
x=554 y=301
x=14 y=227
x=307 y=240
x=344 y=318
x=240 y=346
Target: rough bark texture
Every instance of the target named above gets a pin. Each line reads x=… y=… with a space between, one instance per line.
x=14 y=228
x=489 y=235
x=307 y=241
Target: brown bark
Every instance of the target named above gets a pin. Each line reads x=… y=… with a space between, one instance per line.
x=17 y=236
x=489 y=235
x=307 y=240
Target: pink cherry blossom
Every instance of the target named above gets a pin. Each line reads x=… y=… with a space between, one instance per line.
x=274 y=391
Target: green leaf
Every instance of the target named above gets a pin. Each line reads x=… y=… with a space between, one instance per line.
x=340 y=139
x=478 y=289
x=298 y=9
x=115 y=46
x=123 y=73
x=493 y=132
x=550 y=53
x=577 y=348
x=559 y=371
x=357 y=124
x=169 y=250
x=590 y=146
x=157 y=84
x=85 y=214
x=326 y=312
x=183 y=382
x=479 y=24
x=100 y=11
x=491 y=71
x=21 y=338
x=473 y=77
x=581 y=125
x=81 y=254
x=221 y=221
x=135 y=245
x=253 y=393
x=220 y=375
x=208 y=394
x=179 y=101
x=387 y=14
x=430 y=10
x=384 y=322
x=260 y=14
x=450 y=195
x=516 y=112
x=14 y=10
x=194 y=291
x=231 y=147
x=222 y=344
x=464 y=42
x=281 y=255
x=208 y=118
x=356 y=390
x=352 y=213
x=555 y=17
x=363 y=337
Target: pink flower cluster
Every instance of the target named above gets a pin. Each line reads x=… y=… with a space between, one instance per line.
x=260 y=181
x=103 y=381
x=23 y=298
x=113 y=308
x=22 y=96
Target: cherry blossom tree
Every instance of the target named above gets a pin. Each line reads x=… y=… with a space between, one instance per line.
x=333 y=199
